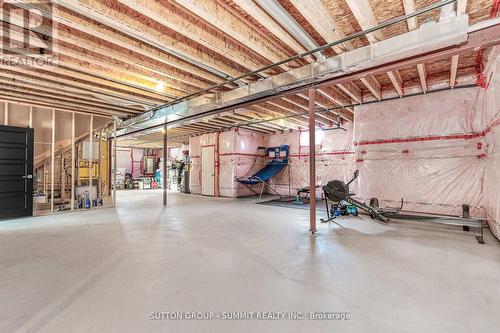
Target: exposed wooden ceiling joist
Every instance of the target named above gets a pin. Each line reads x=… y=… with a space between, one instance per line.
x=337 y=99
x=317 y=15
x=372 y=84
x=453 y=70
x=26 y=100
x=220 y=17
x=409 y=6
x=53 y=88
x=351 y=90
x=72 y=48
x=167 y=15
x=288 y=122
x=138 y=29
x=15 y=89
x=56 y=102
x=263 y=18
x=70 y=20
x=363 y=13
x=396 y=81
x=63 y=76
x=422 y=76
x=293 y=102
x=115 y=53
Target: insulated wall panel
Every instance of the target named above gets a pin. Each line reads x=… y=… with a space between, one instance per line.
x=490 y=107
x=195 y=165
x=425 y=149
x=334 y=158
x=247 y=158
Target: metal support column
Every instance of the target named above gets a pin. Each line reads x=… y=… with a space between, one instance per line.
x=114 y=163
x=289 y=180
x=312 y=160
x=63 y=179
x=73 y=169
x=99 y=179
x=52 y=159
x=165 y=154
x=91 y=157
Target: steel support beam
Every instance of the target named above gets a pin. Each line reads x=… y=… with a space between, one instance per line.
x=312 y=160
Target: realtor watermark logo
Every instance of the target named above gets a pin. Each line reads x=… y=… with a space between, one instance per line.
x=29 y=33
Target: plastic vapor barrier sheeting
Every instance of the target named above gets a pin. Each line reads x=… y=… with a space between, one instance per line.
x=427 y=149
x=436 y=151
x=236 y=155
x=489 y=106
x=334 y=158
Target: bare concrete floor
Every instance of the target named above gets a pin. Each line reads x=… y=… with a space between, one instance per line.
x=106 y=270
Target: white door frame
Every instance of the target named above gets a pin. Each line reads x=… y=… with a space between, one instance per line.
x=208 y=181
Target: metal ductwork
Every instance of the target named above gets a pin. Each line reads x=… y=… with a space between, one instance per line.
x=446 y=34
x=447 y=11
x=274 y=9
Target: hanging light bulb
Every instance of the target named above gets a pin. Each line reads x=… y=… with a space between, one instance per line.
x=160 y=86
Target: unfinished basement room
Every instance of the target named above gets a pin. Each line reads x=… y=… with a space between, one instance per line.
x=250 y=166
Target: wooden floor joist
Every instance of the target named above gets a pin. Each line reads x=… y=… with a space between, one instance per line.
x=123 y=57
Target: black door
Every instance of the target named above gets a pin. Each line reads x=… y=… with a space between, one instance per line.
x=16 y=171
